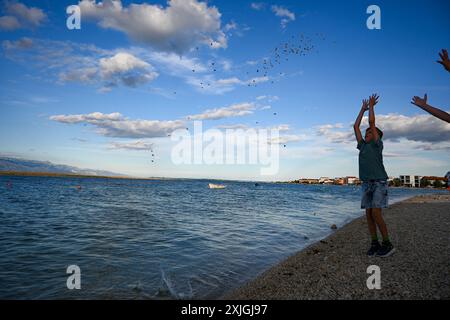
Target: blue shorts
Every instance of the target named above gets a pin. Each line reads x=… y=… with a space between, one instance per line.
x=374 y=194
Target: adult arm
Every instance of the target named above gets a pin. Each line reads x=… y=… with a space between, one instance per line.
x=445 y=61
x=438 y=113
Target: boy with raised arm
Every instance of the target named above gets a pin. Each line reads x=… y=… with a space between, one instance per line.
x=374 y=179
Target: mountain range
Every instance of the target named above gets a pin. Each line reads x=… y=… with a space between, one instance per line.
x=25 y=165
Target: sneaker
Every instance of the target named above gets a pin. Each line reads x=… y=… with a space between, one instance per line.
x=374 y=247
x=386 y=249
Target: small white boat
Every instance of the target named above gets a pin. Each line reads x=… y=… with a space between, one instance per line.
x=216 y=186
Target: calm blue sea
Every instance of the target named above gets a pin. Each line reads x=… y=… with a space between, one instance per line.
x=137 y=239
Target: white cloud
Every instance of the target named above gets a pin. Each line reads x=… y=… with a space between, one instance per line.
x=88 y=64
x=20 y=16
x=121 y=68
x=226 y=64
x=285 y=15
x=94 y=117
x=233 y=126
x=178 y=27
x=422 y=128
x=126 y=69
x=230 y=26
x=208 y=84
x=282 y=139
x=257 y=6
x=23 y=43
x=9 y=23
x=331 y=133
x=133 y=145
x=281 y=127
x=84 y=75
x=233 y=28
x=235 y=110
x=174 y=64
x=116 y=125
x=285 y=139
x=257 y=80
x=120 y=63
x=228 y=81
x=268 y=98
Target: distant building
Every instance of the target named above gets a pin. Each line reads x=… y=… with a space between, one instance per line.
x=432 y=179
x=339 y=181
x=326 y=180
x=411 y=181
x=351 y=180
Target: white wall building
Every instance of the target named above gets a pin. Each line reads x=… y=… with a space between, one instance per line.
x=410 y=181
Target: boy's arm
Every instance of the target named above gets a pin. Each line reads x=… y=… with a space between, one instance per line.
x=373 y=100
x=357 y=124
x=422 y=103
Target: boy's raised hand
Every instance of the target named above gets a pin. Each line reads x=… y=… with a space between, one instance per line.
x=373 y=100
x=445 y=60
x=418 y=101
x=365 y=105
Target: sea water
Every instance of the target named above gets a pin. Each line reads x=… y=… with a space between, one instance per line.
x=157 y=239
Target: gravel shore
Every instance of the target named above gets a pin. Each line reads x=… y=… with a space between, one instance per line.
x=336 y=267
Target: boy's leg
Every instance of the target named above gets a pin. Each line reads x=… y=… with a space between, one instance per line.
x=378 y=218
x=375 y=245
x=386 y=248
x=380 y=200
x=371 y=224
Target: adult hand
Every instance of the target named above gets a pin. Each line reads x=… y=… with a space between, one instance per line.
x=445 y=60
x=419 y=101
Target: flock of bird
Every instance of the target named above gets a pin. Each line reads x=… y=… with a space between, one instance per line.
x=296 y=46
x=300 y=45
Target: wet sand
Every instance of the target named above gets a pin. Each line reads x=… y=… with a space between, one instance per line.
x=336 y=267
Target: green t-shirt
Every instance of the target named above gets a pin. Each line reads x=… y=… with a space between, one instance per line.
x=371 y=165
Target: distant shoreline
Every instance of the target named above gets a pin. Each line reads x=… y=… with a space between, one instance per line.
x=74 y=175
x=69 y=175
x=356 y=185
x=86 y=176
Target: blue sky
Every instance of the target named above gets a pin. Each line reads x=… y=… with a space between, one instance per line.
x=100 y=96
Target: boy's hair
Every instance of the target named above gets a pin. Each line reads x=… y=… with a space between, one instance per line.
x=380 y=133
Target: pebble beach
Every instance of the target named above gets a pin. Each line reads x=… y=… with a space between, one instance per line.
x=336 y=267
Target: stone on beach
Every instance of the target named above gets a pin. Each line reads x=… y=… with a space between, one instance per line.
x=336 y=268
